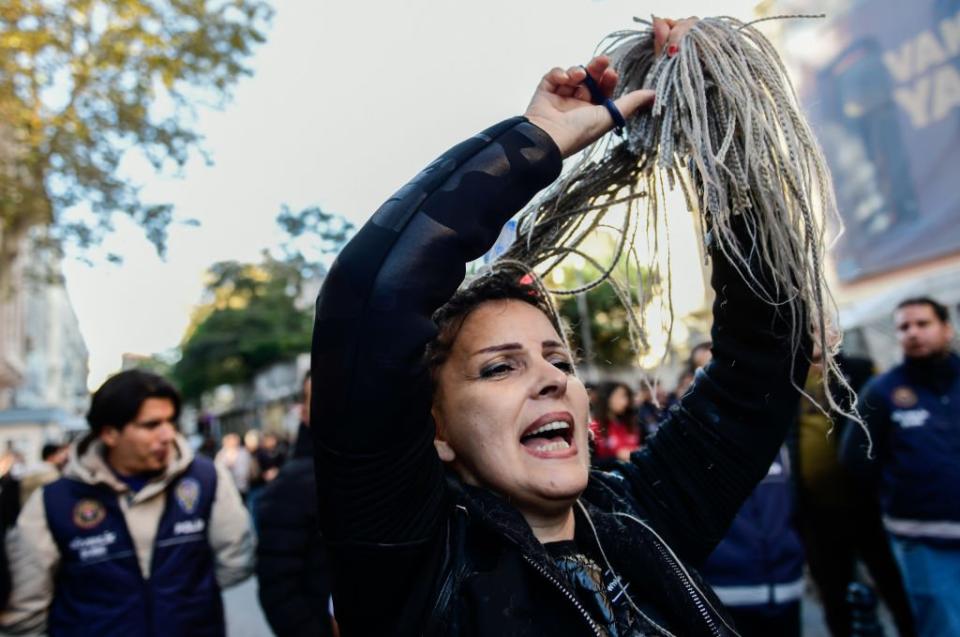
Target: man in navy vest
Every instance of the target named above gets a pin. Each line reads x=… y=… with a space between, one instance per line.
x=757 y=569
x=913 y=414
x=138 y=537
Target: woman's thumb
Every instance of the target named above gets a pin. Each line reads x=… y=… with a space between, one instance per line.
x=631 y=102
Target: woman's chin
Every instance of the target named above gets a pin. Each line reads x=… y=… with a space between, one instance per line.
x=560 y=485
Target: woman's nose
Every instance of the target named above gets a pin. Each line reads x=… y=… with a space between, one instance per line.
x=553 y=381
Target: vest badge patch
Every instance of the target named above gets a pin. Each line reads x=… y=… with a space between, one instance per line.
x=904 y=397
x=187 y=495
x=908 y=418
x=88 y=513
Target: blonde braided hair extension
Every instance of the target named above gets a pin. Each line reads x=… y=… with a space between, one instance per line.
x=727 y=128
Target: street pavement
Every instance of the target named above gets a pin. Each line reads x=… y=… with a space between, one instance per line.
x=242 y=608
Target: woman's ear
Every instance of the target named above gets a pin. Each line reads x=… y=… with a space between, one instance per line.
x=444 y=450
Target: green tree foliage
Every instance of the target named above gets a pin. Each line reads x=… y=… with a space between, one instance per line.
x=313 y=238
x=253 y=316
x=84 y=81
x=251 y=322
x=606 y=318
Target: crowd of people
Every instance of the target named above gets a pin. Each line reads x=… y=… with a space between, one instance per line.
x=888 y=520
x=464 y=481
x=813 y=507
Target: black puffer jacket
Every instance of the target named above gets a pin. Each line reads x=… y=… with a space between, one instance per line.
x=415 y=552
x=292 y=569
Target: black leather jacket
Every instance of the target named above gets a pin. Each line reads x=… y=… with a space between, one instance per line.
x=415 y=551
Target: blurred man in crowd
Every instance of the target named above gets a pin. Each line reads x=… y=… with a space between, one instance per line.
x=840 y=524
x=270 y=456
x=291 y=561
x=138 y=537
x=757 y=569
x=913 y=415
x=238 y=463
x=53 y=459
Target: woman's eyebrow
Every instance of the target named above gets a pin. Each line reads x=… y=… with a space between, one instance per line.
x=547 y=344
x=504 y=347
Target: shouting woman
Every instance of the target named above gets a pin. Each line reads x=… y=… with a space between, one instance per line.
x=453 y=466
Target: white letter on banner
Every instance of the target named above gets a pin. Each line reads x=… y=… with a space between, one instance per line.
x=900 y=64
x=927 y=52
x=914 y=101
x=946 y=92
x=950 y=33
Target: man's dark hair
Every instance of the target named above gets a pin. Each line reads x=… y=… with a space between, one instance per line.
x=120 y=397
x=49 y=450
x=939 y=309
x=497 y=285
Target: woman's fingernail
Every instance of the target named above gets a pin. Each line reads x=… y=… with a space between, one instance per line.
x=672 y=50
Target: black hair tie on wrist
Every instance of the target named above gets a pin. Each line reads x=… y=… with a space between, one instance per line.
x=597 y=97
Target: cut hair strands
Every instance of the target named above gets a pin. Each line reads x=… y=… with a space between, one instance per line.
x=726 y=129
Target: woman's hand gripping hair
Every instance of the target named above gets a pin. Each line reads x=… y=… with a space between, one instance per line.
x=562 y=105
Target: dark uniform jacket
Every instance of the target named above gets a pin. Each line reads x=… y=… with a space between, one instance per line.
x=913 y=414
x=292 y=569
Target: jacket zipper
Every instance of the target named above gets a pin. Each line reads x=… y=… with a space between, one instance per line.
x=566 y=593
x=691 y=591
x=688 y=585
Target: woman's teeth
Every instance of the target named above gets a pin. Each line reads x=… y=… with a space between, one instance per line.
x=559 y=445
x=550 y=426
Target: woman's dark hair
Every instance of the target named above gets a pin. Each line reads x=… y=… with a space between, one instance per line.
x=497 y=285
x=603 y=414
x=119 y=399
x=939 y=309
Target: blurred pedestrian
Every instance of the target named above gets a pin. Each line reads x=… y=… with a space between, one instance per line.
x=649 y=412
x=684 y=381
x=913 y=415
x=251 y=441
x=9 y=489
x=700 y=355
x=757 y=569
x=138 y=537
x=238 y=462
x=53 y=459
x=615 y=427
x=255 y=482
x=292 y=568
x=840 y=524
x=270 y=456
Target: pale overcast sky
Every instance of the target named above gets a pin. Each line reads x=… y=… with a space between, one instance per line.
x=348 y=100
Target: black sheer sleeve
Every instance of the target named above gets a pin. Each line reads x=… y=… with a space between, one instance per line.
x=380 y=481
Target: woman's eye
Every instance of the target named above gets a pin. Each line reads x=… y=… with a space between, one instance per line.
x=498 y=369
x=564 y=365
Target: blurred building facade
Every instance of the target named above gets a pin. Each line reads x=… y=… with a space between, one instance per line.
x=43 y=357
x=268 y=403
x=12 y=336
x=880 y=83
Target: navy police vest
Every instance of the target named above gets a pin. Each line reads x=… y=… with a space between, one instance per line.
x=760 y=560
x=920 y=481
x=99 y=588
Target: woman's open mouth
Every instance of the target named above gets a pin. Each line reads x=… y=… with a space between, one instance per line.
x=550 y=436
